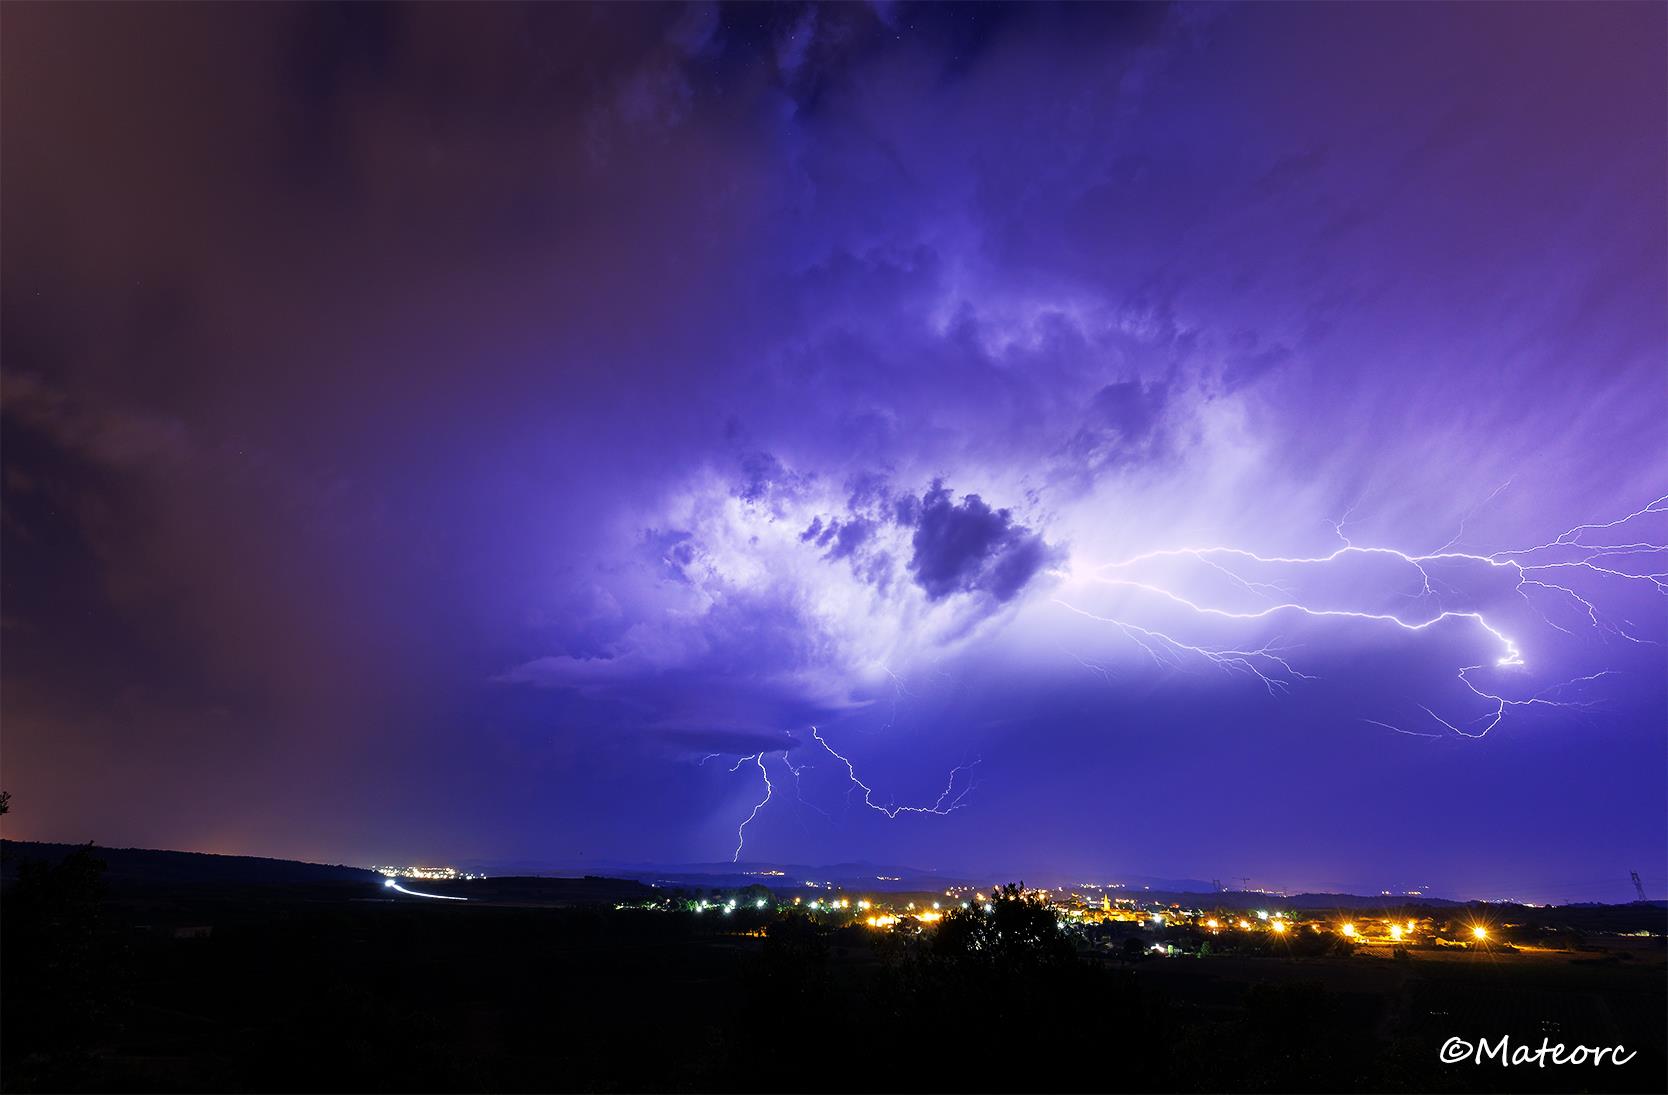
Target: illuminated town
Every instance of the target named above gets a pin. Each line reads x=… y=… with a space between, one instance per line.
x=1100 y=919
x=428 y=874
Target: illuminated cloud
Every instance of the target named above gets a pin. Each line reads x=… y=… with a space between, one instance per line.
x=528 y=400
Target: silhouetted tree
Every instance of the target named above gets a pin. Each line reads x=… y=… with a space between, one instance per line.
x=59 y=957
x=1019 y=929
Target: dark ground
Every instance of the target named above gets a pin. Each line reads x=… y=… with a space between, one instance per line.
x=327 y=985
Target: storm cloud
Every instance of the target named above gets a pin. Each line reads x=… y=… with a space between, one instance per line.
x=525 y=400
x=970 y=548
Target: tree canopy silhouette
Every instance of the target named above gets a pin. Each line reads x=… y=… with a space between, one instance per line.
x=1019 y=929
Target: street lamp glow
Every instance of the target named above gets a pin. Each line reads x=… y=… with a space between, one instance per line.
x=1479 y=932
x=1349 y=931
x=1280 y=927
x=1395 y=931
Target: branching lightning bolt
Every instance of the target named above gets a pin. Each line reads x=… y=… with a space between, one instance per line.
x=741 y=830
x=949 y=800
x=798 y=790
x=892 y=810
x=1534 y=570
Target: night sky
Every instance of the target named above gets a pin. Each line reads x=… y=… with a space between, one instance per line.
x=431 y=433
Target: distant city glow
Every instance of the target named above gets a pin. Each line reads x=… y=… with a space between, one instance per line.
x=430 y=874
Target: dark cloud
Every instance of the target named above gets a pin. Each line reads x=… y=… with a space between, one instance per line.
x=764 y=479
x=1124 y=426
x=870 y=491
x=971 y=548
x=853 y=534
x=954 y=548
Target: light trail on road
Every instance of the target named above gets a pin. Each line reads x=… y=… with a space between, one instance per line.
x=392 y=885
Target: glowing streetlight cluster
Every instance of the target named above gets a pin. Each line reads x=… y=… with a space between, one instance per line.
x=1180 y=929
x=428 y=874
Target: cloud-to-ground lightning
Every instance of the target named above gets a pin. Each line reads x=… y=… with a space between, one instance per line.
x=741 y=830
x=949 y=800
x=1539 y=570
x=892 y=810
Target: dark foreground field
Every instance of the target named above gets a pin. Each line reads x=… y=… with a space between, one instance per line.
x=327 y=985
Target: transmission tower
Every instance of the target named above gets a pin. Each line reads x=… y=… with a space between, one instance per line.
x=1638 y=886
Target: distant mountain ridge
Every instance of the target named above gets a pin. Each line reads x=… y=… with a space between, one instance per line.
x=135 y=866
x=126 y=865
